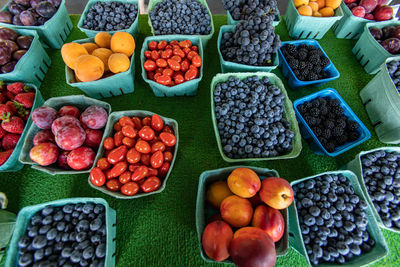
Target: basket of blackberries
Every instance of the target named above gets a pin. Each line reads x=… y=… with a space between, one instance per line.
x=305 y=63
x=110 y=16
x=329 y=123
x=331 y=222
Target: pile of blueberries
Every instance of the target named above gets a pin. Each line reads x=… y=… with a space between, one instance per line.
x=180 y=17
x=110 y=16
x=394 y=72
x=328 y=122
x=243 y=9
x=333 y=220
x=70 y=235
x=252 y=42
x=250 y=118
x=381 y=174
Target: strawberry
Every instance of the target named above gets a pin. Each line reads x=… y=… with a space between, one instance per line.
x=17 y=88
x=9 y=95
x=2 y=132
x=5 y=155
x=10 y=141
x=13 y=124
x=2 y=86
x=2 y=98
x=4 y=109
x=11 y=105
x=25 y=99
x=21 y=111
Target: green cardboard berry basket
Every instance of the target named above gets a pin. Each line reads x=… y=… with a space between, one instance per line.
x=54 y=32
x=368 y=51
x=379 y=251
x=356 y=167
x=203 y=210
x=133 y=29
x=188 y=88
x=227 y=66
x=350 y=26
x=26 y=214
x=382 y=103
x=12 y=164
x=308 y=27
x=204 y=38
x=7 y=224
x=32 y=66
x=114 y=117
x=117 y=84
x=81 y=102
x=289 y=115
x=233 y=22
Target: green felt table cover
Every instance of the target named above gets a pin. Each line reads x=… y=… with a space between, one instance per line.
x=159 y=230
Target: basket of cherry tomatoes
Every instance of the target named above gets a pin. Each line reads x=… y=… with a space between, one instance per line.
x=138 y=154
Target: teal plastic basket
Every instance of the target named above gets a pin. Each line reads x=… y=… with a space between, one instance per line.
x=227 y=66
x=133 y=29
x=32 y=67
x=369 y=52
x=204 y=38
x=307 y=27
x=233 y=22
x=80 y=102
x=54 y=32
x=117 y=84
x=26 y=214
x=204 y=211
x=379 y=251
x=356 y=167
x=188 y=88
x=350 y=26
x=382 y=103
x=12 y=164
x=288 y=114
x=114 y=117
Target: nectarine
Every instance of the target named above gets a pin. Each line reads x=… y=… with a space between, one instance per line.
x=217 y=192
x=244 y=182
x=216 y=239
x=236 y=211
x=270 y=221
x=276 y=193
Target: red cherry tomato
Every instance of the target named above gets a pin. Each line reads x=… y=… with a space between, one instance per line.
x=179 y=52
x=186 y=50
x=103 y=164
x=156 y=76
x=172 y=83
x=179 y=79
x=156 y=122
x=150 y=75
x=168 y=129
x=149 y=65
x=163 y=79
x=146 y=121
x=197 y=61
x=174 y=65
x=117 y=127
x=146 y=133
x=160 y=70
x=168 y=138
x=191 y=55
x=161 y=45
x=118 y=169
x=139 y=173
x=138 y=122
x=133 y=156
x=166 y=54
x=145 y=159
x=142 y=147
x=118 y=136
x=113 y=185
x=163 y=170
x=108 y=143
x=147 y=54
x=185 y=44
x=177 y=58
x=117 y=154
x=129 y=131
x=125 y=177
x=153 y=45
x=97 y=177
x=157 y=159
x=125 y=120
x=107 y=173
x=195 y=48
x=168 y=46
x=162 y=63
x=168 y=156
x=152 y=172
x=128 y=142
x=130 y=189
x=191 y=74
x=151 y=184
x=133 y=167
x=155 y=55
x=185 y=65
x=168 y=72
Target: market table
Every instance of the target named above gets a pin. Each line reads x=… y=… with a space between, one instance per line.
x=159 y=230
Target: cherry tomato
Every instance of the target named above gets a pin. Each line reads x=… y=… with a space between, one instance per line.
x=145 y=159
x=155 y=55
x=107 y=173
x=133 y=156
x=118 y=136
x=156 y=76
x=118 y=169
x=140 y=183
x=179 y=79
x=175 y=46
x=168 y=138
x=125 y=177
x=153 y=45
x=151 y=184
x=130 y=189
x=172 y=83
x=152 y=172
x=156 y=122
x=195 y=48
x=108 y=143
x=191 y=74
x=174 y=65
x=179 y=52
x=168 y=156
x=106 y=153
x=168 y=129
x=163 y=170
x=168 y=72
x=186 y=50
x=168 y=46
x=129 y=131
x=97 y=177
x=123 y=121
x=161 y=63
x=117 y=154
x=133 y=167
x=185 y=44
x=146 y=121
x=160 y=70
x=162 y=44
x=103 y=164
x=142 y=147
x=177 y=58
x=185 y=65
x=149 y=65
x=138 y=122
x=157 y=159
x=146 y=133
x=174 y=42
x=191 y=55
x=147 y=54
x=166 y=54
x=139 y=173
x=113 y=185
x=117 y=127
x=163 y=79
x=129 y=142
x=196 y=61
x=150 y=75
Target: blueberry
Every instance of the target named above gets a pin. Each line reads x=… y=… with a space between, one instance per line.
x=75 y=256
x=68 y=208
x=39 y=242
x=51 y=234
x=25 y=260
x=88 y=252
x=309 y=220
x=24 y=242
x=314 y=211
x=66 y=252
x=101 y=251
x=82 y=226
x=47 y=211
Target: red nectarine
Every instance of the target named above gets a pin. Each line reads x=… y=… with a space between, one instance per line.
x=276 y=193
x=216 y=239
x=270 y=221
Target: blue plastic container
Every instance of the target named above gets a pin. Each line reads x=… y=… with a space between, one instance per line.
x=26 y=214
x=233 y=22
x=288 y=72
x=133 y=29
x=307 y=133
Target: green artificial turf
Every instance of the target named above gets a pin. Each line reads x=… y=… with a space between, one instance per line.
x=159 y=230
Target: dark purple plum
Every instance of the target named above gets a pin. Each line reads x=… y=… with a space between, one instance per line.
x=22 y=2
x=376 y=33
x=55 y=3
x=387 y=32
x=46 y=9
x=5 y=17
x=42 y=20
x=15 y=9
x=27 y=18
x=392 y=45
x=9 y=67
x=18 y=54
x=8 y=34
x=17 y=21
x=396 y=33
x=35 y=3
x=12 y=45
x=5 y=53
x=24 y=42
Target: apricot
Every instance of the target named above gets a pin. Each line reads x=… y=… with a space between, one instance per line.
x=298 y=3
x=314 y=6
x=103 y=54
x=270 y=221
x=90 y=47
x=321 y=3
x=216 y=239
x=244 y=182
x=89 y=68
x=118 y=62
x=103 y=39
x=305 y=10
x=327 y=12
x=122 y=42
x=236 y=211
x=217 y=192
x=70 y=52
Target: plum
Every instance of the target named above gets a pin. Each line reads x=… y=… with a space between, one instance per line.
x=93 y=138
x=70 y=111
x=5 y=53
x=376 y=33
x=81 y=158
x=15 y=9
x=94 y=117
x=62 y=122
x=55 y=3
x=22 y=2
x=17 y=21
x=46 y=9
x=17 y=55
x=351 y=5
x=392 y=45
x=43 y=136
x=62 y=160
x=388 y=31
x=369 y=5
x=369 y=16
x=8 y=34
x=12 y=45
x=44 y=154
x=24 y=42
x=358 y=11
x=9 y=67
x=35 y=3
x=43 y=117
x=5 y=17
x=27 y=18
x=41 y=21
x=383 y=13
x=70 y=137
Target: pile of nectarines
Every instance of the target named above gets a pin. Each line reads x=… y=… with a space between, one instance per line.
x=251 y=207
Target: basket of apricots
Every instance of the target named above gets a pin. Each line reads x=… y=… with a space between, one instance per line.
x=311 y=19
x=103 y=66
x=241 y=215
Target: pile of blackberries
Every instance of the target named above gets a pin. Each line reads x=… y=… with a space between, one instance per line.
x=252 y=42
x=70 y=235
x=326 y=119
x=242 y=10
x=381 y=174
x=180 y=17
x=306 y=61
x=110 y=16
x=332 y=219
x=250 y=118
x=394 y=72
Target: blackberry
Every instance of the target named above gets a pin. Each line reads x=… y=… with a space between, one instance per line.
x=294 y=64
x=326 y=133
x=330 y=147
x=333 y=102
x=302 y=55
x=317 y=131
x=314 y=112
x=310 y=120
x=341 y=140
x=337 y=131
x=312 y=76
x=315 y=102
x=352 y=125
x=329 y=124
x=314 y=59
x=324 y=110
x=353 y=136
x=291 y=49
x=337 y=110
x=303 y=46
x=317 y=69
x=324 y=62
x=302 y=65
x=341 y=122
x=322 y=140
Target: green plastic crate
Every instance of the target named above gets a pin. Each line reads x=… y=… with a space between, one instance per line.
x=382 y=103
x=54 y=32
x=117 y=84
x=379 y=251
x=203 y=209
x=289 y=115
x=114 y=117
x=369 y=52
x=133 y=29
x=188 y=88
x=227 y=66
x=26 y=214
x=233 y=22
x=204 y=38
x=7 y=224
x=80 y=102
x=12 y=164
x=308 y=27
x=32 y=67
x=356 y=167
